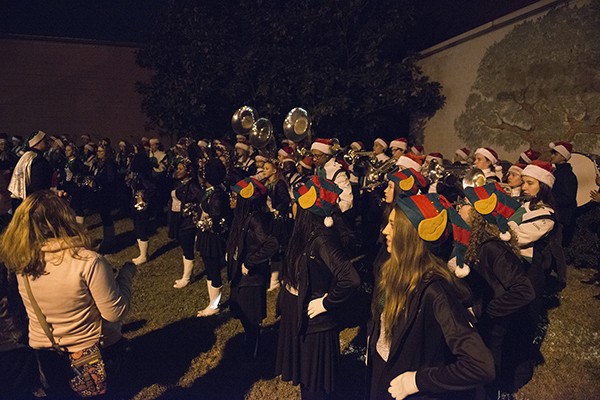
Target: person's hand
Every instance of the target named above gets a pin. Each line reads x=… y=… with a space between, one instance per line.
x=404 y=385
x=316 y=307
x=595 y=196
x=245 y=270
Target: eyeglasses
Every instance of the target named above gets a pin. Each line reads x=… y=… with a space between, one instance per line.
x=317 y=156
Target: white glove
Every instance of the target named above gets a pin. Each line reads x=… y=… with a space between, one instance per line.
x=245 y=270
x=316 y=307
x=404 y=385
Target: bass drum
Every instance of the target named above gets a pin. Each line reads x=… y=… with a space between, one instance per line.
x=585 y=168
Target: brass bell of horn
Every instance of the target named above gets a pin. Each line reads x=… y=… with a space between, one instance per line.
x=243 y=120
x=297 y=124
x=473 y=178
x=262 y=137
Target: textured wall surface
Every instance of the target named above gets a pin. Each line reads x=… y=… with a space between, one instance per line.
x=68 y=87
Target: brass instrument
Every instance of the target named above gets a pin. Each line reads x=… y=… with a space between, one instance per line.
x=350 y=156
x=140 y=203
x=262 y=137
x=375 y=176
x=243 y=120
x=297 y=128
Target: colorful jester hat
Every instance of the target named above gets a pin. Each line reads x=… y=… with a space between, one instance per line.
x=319 y=196
x=408 y=180
x=462 y=235
x=496 y=207
x=429 y=215
x=249 y=189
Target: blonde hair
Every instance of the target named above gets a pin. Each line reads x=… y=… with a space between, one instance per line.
x=41 y=217
x=482 y=230
x=410 y=263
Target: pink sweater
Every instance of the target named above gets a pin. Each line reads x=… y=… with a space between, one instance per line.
x=75 y=294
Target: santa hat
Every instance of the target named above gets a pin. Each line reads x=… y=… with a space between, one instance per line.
x=260 y=157
x=399 y=143
x=357 y=146
x=323 y=145
x=319 y=196
x=410 y=160
x=238 y=145
x=202 y=143
x=529 y=155
x=540 y=170
x=428 y=213
x=288 y=160
x=241 y=138
x=382 y=143
x=437 y=157
x=517 y=168
x=492 y=202
x=249 y=189
x=154 y=141
x=287 y=151
x=307 y=162
x=563 y=148
x=417 y=149
x=35 y=138
x=463 y=152
x=408 y=180
x=488 y=153
x=86 y=137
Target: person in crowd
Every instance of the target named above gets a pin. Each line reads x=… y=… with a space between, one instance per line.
x=72 y=287
x=88 y=156
x=528 y=156
x=318 y=278
x=184 y=202
x=123 y=159
x=565 y=189
x=244 y=164
x=421 y=343
x=486 y=159
x=32 y=172
x=105 y=177
x=410 y=160
x=249 y=248
x=8 y=159
x=398 y=147
x=417 y=149
x=279 y=204
x=144 y=195
x=159 y=161
x=461 y=156
x=215 y=216
x=304 y=170
x=73 y=182
x=514 y=179
x=500 y=289
x=327 y=167
x=379 y=148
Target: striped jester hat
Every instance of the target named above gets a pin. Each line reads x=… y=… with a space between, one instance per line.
x=429 y=215
x=319 y=196
x=408 y=180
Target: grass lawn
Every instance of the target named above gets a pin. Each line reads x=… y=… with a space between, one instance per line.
x=175 y=355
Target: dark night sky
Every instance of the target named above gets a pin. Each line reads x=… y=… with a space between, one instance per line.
x=127 y=20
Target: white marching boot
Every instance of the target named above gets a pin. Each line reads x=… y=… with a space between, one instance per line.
x=143 y=257
x=215 y=297
x=188 y=266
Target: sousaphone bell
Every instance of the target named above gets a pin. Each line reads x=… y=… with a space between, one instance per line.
x=243 y=120
x=297 y=128
x=261 y=137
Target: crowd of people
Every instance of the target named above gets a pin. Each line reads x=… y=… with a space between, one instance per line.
x=454 y=256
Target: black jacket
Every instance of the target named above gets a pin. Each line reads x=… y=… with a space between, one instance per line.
x=436 y=340
x=255 y=248
x=41 y=173
x=324 y=268
x=190 y=194
x=13 y=318
x=564 y=191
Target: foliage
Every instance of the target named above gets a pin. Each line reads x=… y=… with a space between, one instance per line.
x=347 y=62
x=539 y=84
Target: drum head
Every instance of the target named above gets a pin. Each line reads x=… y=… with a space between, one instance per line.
x=584 y=169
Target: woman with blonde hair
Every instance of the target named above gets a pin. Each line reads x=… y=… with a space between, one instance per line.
x=73 y=286
x=421 y=343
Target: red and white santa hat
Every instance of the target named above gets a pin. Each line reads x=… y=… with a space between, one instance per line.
x=410 y=160
x=529 y=155
x=517 y=168
x=307 y=162
x=242 y=146
x=202 y=143
x=288 y=160
x=563 y=148
x=463 y=152
x=323 y=145
x=287 y=151
x=399 y=143
x=357 y=146
x=417 y=149
x=540 y=170
x=488 y=153
x=382 y=142
x=260 y=157
x=437 y=157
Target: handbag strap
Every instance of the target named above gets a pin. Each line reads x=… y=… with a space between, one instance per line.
x=40 y=316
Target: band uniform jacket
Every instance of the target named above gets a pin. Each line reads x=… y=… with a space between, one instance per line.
x=188 y=193
x=437 y=341
x=215 y=203
x=325 y=268
x=256 y=247
x=564 y=191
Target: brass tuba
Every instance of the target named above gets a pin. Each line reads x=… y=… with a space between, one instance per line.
x=297 y=128
x=262 y=137
x=243 y=120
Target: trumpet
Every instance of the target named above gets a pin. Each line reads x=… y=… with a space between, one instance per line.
x=350 y=156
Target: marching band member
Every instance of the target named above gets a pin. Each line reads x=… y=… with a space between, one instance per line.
x=318 y=277
x=245 y=164
x=514 y=179
x=565 y=189
x=420 y=340
x=528 y=156
x=285 y=152
x=461 y=156
x=379 y=148
x=215 y=220
x=398 y=147
x=259 y=160
x=410 y=160
x=105 y=177
x=288 y=168
x=304 y=169
x=74 y=170
x=486 y=159
x=249 y=248
x=327 y=167
x=183 y=203
x=417 y=149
